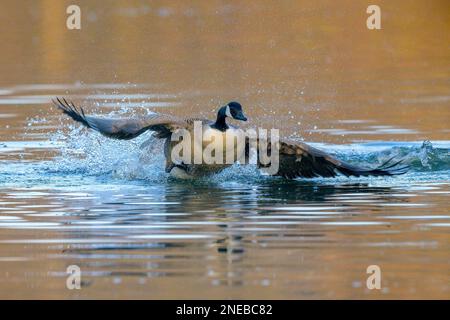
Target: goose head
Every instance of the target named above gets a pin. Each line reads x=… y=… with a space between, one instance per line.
x=232 y=110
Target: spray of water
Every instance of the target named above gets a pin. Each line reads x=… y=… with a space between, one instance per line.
x=89 y=153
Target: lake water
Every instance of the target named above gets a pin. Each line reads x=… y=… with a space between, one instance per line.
x=69 y=196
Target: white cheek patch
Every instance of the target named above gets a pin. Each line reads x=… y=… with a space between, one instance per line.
x=227 y=112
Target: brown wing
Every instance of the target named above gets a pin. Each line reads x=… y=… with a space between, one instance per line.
x=130 y=128
x=297 y=159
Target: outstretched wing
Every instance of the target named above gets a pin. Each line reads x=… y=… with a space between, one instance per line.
x=130 y=128
x=297 y=159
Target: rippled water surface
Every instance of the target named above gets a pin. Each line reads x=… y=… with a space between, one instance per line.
x=69 y=196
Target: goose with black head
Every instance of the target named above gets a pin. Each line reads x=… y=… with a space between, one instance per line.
x=296 y=159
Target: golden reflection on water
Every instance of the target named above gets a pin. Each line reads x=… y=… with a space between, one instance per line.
x=312 y=69
x=317 y=60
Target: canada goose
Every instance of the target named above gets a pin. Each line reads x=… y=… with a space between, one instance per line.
x=296 y=159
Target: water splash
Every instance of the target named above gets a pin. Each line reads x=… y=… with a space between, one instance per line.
x=82 y=154
x=89 y=153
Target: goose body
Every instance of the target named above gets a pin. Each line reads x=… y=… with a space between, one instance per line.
x=179 y=169
x=296 y=159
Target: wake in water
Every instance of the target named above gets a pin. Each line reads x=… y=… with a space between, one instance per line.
x=91 y=154
x=84 y=156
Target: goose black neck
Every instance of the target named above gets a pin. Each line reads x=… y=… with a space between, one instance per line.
x=220 y=123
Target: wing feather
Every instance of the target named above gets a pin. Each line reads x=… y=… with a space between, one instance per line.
x=297 y=159
x=126 y=129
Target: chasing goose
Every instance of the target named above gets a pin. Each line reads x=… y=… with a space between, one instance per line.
x=295 y=159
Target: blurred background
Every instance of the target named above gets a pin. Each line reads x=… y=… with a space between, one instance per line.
x=286 y=62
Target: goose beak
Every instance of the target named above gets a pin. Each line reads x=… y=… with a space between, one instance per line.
x=240 y=116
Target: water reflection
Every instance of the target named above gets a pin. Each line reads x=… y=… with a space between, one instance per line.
x=212 y=233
